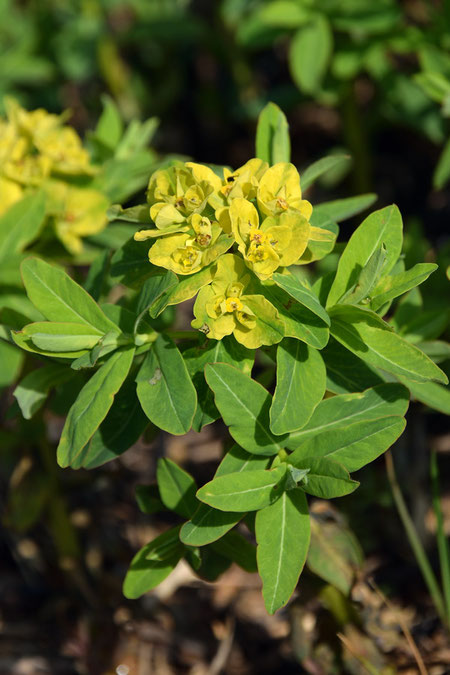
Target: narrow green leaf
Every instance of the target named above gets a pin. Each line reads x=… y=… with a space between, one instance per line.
x=153 y=563
x=92 y=405
x=365 y=334
x=282 y=534
x=346 y=373
x=317 y=169
x=186 y=288
x=61 y=337
x=208 y=525
x=130 y=264
x=177 y=488
x=381 y=227
x=59 y=298
x=62 y=340
x=245 y=491
x=227 y=350
x=326 y=478
x=244 y=405
x=162 y=281
x=33 y=389
x=120 y=429
x=148 y=499
x=109 y=128
x=342 y=209
x=97 y=275
x=237 y=460
x=368 y=277
x=338 y=412
x=334 y=554
x=301 y=380
x=310 y=52
x=272 y=136
x=356 y=445
x=442 y=171
x=300 y=292
x=432 y=394
x=393 y=286
x=21 y=224
x=235 y=547
x=299 y=321
x=165 y=389
x=12 y=360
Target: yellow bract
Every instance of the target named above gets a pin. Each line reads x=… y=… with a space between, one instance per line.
x=75 y=213
x=198 y=217
x=36 y=147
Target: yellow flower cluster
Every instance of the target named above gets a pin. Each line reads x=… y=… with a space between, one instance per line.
x=199 y=216
x=37 y=150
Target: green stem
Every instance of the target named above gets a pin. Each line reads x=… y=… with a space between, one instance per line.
x=416 y=544
x=443 y=548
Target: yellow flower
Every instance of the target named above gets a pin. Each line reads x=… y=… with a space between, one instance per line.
x=10 y=193
x=179 y=191
x=279 y=190
x=223 y=308
x=65 y=151
x=278 y=242
x=76 y=213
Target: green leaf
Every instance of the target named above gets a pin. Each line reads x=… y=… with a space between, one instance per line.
x=346 y=373
x=235 y=547
x=177 y=488
x=310 y=52
x=21 y=224
x=326 y=478
x=165 y=389
x=237 y=459
x=153 y=288
x=282 y=534
x=368 y=278
x=227 y=350
x=442 y=171
x=12 y=360
x=301 y=379
x=432 y=394
x=392 y=286
x=335 y=413
x=97 y=275
x=244 y=491
x=130 y=264
x=342 y=209
x=59 y=298
x=272 y=136
x=244 y=405
x=208 y=525
x=334 y=554
x=109 y=128
x=365 y=334
x=33 y=389
x=186 y=288
x=120 y=429
x=423 y=325
x=61 y=337
x=153 y=563
x=299 y=322
x=353 y=429
x=381 y=227
x=302 y=293
x=317 y=169
x=92 y=405
x=284 y=14
x=356 y=445
x=39 y=338
x=148 y=499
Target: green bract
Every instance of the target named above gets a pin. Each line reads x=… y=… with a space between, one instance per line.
x=340 y=351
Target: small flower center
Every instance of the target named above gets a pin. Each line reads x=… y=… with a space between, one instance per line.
x=233 y=304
